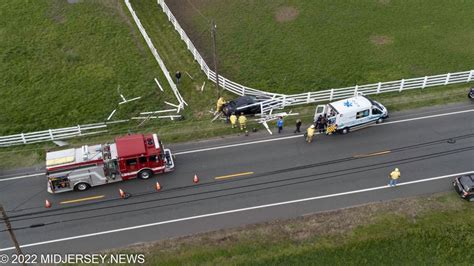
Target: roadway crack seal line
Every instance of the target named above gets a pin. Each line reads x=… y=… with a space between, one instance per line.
x=235 y=211
x=275 y=139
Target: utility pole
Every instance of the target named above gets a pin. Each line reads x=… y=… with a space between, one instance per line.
x=214 y=44
x=10 y=230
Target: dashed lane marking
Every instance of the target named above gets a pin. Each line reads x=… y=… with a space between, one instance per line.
x=82 y=199
x=233 y=175
x=234 y=211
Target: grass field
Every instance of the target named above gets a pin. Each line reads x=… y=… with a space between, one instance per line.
x=434 y=230
x=300 y=45
x=61 y=64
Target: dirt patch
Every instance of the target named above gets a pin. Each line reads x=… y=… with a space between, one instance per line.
x=381 y=40
x=118 y=9
x=286 y=14
x=56 y=12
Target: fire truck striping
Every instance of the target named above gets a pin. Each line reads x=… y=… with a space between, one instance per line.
x=371 y=154
x=234 y=175
x=20 y=177
x=124 y=229
x=82 y=199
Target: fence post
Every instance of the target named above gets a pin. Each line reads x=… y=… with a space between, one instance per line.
x=308 y=98
x=261 y=108
x=402 y=83
x=331 y=95
x=23 y=138
x=284 y=101
x=447 y=79
x=470 y=76
x=51 y=134
x=424 y=82
x=223 y=82
x=378 y=87
x=79 y=129
x=356 y=89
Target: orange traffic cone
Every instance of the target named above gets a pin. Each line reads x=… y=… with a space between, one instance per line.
x=122 y=194
x=158 y=187
x=196 y=179
x=47 y=204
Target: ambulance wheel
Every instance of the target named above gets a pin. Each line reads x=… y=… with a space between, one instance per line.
x=380 y=120
x=145 y=174
x=81 y=187
x=345 y=130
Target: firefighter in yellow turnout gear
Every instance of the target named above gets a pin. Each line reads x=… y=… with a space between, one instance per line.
x=310 y=133
x=331 y=129
x=242 y=121
x=219 y=104
x=233 y=120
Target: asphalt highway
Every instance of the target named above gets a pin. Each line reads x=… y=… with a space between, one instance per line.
x=239 y=176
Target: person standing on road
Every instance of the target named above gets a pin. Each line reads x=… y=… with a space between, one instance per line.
x=280 y=124
x=310 y=133
x=298 y=126
x=322 y=124
x=233 y=120
x=242 y=121
x=394 y=176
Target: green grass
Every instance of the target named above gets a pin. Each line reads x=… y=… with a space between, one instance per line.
x=330 y=44
x=60 y=65
x=428 y=230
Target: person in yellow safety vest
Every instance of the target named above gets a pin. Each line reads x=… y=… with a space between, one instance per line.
x=331 y=129
x=233 y=120
x=219 y=104
x=242 y=121
x=394 y=176
x=310 y=133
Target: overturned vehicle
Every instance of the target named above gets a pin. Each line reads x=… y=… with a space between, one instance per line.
x=249 y=105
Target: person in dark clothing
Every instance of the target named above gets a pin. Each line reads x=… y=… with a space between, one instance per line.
x=298 y=125
x=322 y=124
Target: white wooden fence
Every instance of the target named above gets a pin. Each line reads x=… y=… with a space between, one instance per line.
x=54 y=134
x=280 y=101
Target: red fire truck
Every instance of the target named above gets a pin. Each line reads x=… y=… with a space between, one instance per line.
x=129 y=157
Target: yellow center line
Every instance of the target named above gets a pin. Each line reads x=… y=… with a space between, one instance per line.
x=83 y=199
x=234 y=175
x=371 y=154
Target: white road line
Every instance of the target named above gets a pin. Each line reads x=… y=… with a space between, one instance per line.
x=274 y=139
x=20 y=177
x=238 y=144
x=298 y=136
x=424 y=117
x=233 y=211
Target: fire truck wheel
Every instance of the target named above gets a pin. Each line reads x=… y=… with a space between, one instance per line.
x=145 y=174
x=81 y=187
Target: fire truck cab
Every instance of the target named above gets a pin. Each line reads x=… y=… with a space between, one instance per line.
x=129 y=157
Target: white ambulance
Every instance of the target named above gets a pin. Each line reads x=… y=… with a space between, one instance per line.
x=352 y=113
